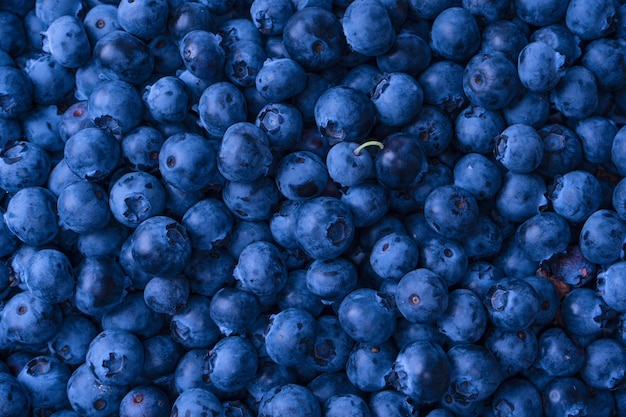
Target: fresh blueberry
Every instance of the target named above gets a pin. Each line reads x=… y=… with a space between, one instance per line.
x=280 y=79
x=455 y=34
x=476 y=129
x=368 y=27
x=590 y=24
x=192 y=326
x=344 y=113
x=490 y=80
x=576 y=94
x=66 y=40
x=31 y=216
x=369 y=367
x=221 y=105
x=23 y=164
x=386 y=93
x=290 y=336
x=367 y=316
x=121 y=56
x=279 y=402
x=602 y=236
x=145 y=399
x=187 y=161
x=233 y=363
x=244 y=153
x=83 y=207
x=166 y=295
x=442 y=84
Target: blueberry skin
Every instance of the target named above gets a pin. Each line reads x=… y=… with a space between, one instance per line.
x=324 y=227
x=490 y=81
x=51 y=81
x=410 y=54
x=521 y=196
x=517 y=395
x=233 y=363
x=16 y=93
x=538 y=67
x=45 y=378
x=576 y=94
x=601 y=237
x=402 y=161
x=512 y=304
x=539 y=13
x=345 y=166
x=140 y=149
x=136 y=196
x=519 y=148
x=280 y=79
x=543 y=235
x=391 y=88
x=142 y=18
x=41 y=128
x=8 y=241
x=187 y=161
x=92 y=153
x=115 y=106
x=368 y=27
x=610 y=285
x=166 y=295
x=560 y=39
x=575 y=195
x=234 y=310
x=269 y=17
x=99 y=285
x=145 y=399
x=343 y=113
x=604 y=364
x=30 y=321
x=301 y=175
x=31 y=217
x=290 y=336
x=585 y=313
x=619 y=199
x=572 y=394
x=450 y=211
x=474 y=372
x=345 y=405
x=392 y=403
x=49 y=276
x=13 y=34
x=252 y=201
x=261 y=269
x=121 y=56
x=282 y=124
x=314 y=37
x=369 y=367
x=477 y=174
x=295 y=294
x=67 y=42
x=100 y=20
x=528 y=108
x=367 y=316
x=244 y=154
x=442 y=84
x=617 y=156
x=422 y=371
x=23 y=164
x=89 y=397
x=133 y=315
x=196 y=401
x=287 y=400
x=208 y=223
x=332 y=279
x=476 y=129
x=83 y=207
x=161 y=354
x=71 y=341
x=558 y=355
x=445 y=257
x=563 y=150
x=605 y=59
x=455 y=34
x=167 y=100
x=596 y=134
x=160 y=246
x=362 y=77
x=192 y=326
x=590 y=24
x=516 y=351
x=394 y=255
x=202 y=54
x=367 y=201
x=221 y=106
x=465 y=319
x=16 y=400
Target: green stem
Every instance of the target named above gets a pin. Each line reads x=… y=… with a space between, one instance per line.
x=364 y=145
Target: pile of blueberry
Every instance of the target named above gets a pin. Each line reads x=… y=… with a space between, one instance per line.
x=307 y=208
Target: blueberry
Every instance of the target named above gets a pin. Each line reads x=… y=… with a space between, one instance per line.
x=187 y=161
x=388 y=90
x=142 y=18
x=31 y=216
x=301 y=176
x=83 y=207
x=344 y=113
x=30 y=321
x=16 y=398
x=121 y=56
x=517 y=395
x=490 y=80
x=366 y=315
x=476 y=129
x=234 y=310
x=244 y=153
x=442 y=84
x=233 y=363
x=465 y=319
x=421 y=371
x=269 y=17
x=221 y=105
x=99 y=285
x=279 y=402
x=166 y=295
x=576 y=94
x=23 y=164
x=314 y=37
x=331 y=280
x=66 y=40
x=45 y=378
x=455 y=34
x=601 y=236
x=202 y=54
x=100 y=20
x=324 y=227
x=474 y=373
x=409 y=54
x=280 y=79
x=369 y=367
x=253 y=201
x=290 y=335
x=585 y=313
x=142 y=399
x=345 y=405
x=192 y=326
x=558 y=354
x=402 y=161
x=115 y=106
x=195 y=401
x=16 y=92
x=368 y=27
x=49 y=276
x=587 y=24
